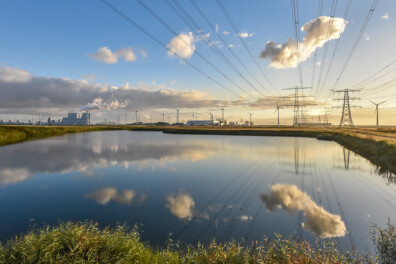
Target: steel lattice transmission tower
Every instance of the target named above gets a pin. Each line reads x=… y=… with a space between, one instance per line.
x=346 y=116
x=298 y=105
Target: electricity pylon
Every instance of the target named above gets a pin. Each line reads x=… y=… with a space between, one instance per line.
x=298 y=116
x=250 y=118
x=376 y=109
x=346 y=117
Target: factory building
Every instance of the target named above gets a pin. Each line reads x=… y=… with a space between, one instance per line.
x=72 y=119
x=199 y=123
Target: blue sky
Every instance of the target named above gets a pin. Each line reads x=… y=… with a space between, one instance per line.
x=54 y=39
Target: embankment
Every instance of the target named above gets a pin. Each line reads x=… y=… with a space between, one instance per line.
x=16 y=134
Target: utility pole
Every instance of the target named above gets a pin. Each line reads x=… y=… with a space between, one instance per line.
x=376 y=109
x=346 y=116
x=32 y=116
x=298 y=116
x=136 y=111
x=250 y=118
x=222 y=115
x=163 y=118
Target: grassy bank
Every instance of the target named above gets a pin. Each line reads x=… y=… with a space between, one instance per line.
x=86 y=243
x=16 y=134
x=375 y=145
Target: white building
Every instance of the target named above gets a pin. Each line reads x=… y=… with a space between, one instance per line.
x=199 y=123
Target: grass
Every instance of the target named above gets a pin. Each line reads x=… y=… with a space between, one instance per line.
x=86 y=243
x=384 y=240
x=16 y=134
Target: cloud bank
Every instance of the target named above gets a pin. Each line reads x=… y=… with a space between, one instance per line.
x=24 y=90
x=318 y=32
x=105 y=55
x=292 y=199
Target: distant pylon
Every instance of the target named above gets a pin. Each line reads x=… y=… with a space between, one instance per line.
x=298 y=116
x=177 y=116
x=250 y=123
x=222 y=115
x=346 y=116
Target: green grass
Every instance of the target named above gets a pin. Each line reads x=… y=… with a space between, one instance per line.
x=16 y=134
x=86 y=243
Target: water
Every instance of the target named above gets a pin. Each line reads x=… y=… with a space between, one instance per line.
x=197 y=187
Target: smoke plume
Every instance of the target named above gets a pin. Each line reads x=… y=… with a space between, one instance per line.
x=99 y=104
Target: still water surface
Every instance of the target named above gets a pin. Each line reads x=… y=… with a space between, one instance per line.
x=196 y=187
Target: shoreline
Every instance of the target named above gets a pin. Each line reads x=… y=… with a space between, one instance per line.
x=376 y=145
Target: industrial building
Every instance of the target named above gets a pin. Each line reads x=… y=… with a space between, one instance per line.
x=72 y=119
x=199 y=123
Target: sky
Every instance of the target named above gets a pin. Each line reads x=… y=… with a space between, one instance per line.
x=68 y=56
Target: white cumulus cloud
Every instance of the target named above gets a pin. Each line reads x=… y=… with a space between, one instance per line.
x=182 y=45
x=318 y=32
x=105 y=55
x=244 y=34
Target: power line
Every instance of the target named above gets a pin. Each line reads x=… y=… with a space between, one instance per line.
x=326 y=47
x=237 y=32
x=336 y=45
x=320 y=8
x=366 y=21
x=226 y=44
x=296 y=27
x=152 y=13
x=194 y=25
x=374 y=74
x=130 y=21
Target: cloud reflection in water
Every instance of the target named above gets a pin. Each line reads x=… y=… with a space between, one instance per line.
x=318 y=220
x=181 y=205
x=105 y=195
